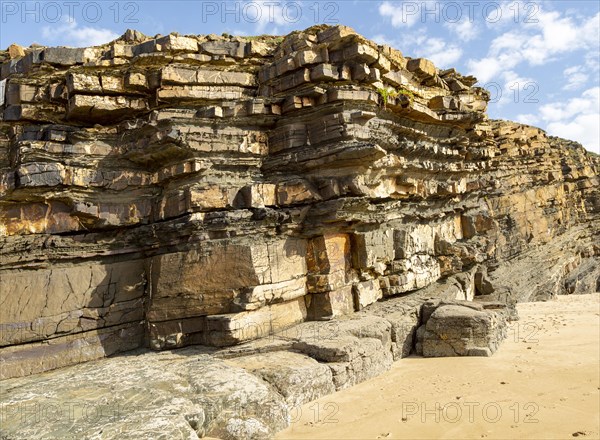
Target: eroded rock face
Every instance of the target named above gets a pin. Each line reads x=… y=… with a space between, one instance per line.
x=209 y=190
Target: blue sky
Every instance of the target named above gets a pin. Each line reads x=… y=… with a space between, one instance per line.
x=540 y=59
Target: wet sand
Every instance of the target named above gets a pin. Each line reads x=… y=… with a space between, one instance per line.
x=543 y=383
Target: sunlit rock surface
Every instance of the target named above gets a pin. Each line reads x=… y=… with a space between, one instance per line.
x=216 y=191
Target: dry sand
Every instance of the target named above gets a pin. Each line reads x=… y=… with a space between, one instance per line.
x=543 y=383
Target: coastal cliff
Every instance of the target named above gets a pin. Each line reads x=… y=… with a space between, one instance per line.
x=215 y=190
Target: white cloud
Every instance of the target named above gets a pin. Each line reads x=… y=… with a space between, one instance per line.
x=435 y=49
x=527 y=118
x=576 y=118
x=592 y=60
x=441 y=53
x=545 y=37
x=485 y=69
x=69 y=33
x=504 y=14
x=517 y=89
x=512 y=41
x=269 y=13
x=576 y=77
x=417 y=43
x=404 y=15
x=382 y=39
x=465 y=30
x=583 y=128
x=587 y=103
x=559 y=35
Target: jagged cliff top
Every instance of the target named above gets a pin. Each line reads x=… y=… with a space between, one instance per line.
x=311 y=67
x=133 y=45
x=269 y=43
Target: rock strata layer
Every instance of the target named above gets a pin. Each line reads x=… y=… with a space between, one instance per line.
x=177 y=190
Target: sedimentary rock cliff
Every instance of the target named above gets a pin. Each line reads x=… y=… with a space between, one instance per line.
x=212 y=190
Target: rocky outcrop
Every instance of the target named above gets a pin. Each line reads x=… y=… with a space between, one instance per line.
x=177 y=190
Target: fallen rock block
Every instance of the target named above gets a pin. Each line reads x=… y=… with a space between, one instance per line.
x=461 y=328
x=403 y=314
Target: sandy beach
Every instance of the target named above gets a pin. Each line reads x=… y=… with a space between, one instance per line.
x=543 y=383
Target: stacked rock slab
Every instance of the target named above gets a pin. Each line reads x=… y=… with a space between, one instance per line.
x=213 y=190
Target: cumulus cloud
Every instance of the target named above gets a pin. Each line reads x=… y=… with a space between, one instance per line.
x=576 y=118
x=269 y=13
x=527 y=118
x=592 y=60
x=558 y=35
x=381 y=39
x=499 y=15
x=70 y=33
x=516 y=88
x=440 y=52
x=465 y=30
x=400 y=14
x=576 y=77
x=547 y=36
x=588 y=102
x=417 y=43
x=583 y=128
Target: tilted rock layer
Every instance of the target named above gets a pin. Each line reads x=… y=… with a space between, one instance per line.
x=213 y=190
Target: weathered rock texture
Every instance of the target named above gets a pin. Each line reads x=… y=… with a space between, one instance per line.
x=248 y=391
x=185 y=190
